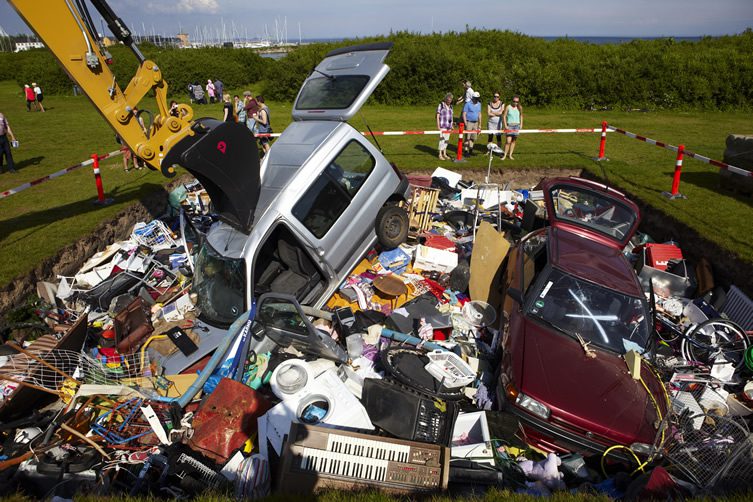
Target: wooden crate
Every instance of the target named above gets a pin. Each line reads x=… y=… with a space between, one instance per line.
x=421 y=209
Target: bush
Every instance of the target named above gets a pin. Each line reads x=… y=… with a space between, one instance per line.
x=714 y=73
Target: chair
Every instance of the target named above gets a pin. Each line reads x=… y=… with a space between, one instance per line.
x=300 y=274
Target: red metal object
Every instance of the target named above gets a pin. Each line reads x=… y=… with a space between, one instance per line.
x=437 y=242
x=226 y=419
x=603 y=142
x=678 y=171
x=460 y=141
x=658 y=255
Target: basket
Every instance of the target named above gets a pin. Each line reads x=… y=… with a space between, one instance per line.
x=154 y=235
x=448 y=368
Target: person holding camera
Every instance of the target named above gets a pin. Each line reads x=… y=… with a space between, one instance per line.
x=6 y=137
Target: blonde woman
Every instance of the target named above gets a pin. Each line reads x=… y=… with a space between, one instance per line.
x=228 y=109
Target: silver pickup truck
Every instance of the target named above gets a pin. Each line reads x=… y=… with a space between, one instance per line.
x=299 y=222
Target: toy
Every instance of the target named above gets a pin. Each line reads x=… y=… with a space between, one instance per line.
x=545 y=471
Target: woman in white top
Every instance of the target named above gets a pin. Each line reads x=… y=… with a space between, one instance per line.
x=494 y=123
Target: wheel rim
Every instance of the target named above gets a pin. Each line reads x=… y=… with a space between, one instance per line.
x=393 y=226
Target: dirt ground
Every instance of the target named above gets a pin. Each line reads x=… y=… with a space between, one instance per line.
x=70 y=259
x=727 y=268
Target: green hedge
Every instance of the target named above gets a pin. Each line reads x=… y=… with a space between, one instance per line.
x=235 y=67
x=714 y=73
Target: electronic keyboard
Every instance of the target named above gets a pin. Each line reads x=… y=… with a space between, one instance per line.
x=319 y=457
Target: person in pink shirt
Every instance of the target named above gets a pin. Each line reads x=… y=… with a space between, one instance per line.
x=210 y=91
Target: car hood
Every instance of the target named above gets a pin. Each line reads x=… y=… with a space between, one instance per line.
x=588 y=394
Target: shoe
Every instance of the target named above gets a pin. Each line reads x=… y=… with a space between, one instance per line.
x=12 y=171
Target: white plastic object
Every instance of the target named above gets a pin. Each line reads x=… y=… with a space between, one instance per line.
x=476 y=427
x=450 y=369
x=435 y=259
x=290 y=378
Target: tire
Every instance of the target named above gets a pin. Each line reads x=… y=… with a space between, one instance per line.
x=391 y=226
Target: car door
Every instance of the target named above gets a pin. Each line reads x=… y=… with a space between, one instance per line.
x=342 y=82
x=592 y=210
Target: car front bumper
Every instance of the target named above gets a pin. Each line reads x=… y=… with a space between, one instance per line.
x=548 y=436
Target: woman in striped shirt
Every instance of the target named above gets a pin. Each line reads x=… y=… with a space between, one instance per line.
x=444 y=124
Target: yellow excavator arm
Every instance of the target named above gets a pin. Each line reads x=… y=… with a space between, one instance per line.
x=66 y=28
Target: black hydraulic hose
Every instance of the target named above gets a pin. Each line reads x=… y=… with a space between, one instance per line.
x=117 y=27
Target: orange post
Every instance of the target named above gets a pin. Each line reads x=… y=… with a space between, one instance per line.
x=603 y=142
x=461 y=137
x=98 y=180
x=678 y=171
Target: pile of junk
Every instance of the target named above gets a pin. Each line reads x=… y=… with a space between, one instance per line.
x=119 y=385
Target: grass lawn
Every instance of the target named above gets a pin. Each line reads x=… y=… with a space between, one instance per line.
x=34 y=224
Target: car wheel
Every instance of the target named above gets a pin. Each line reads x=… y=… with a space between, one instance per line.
x=391 y=226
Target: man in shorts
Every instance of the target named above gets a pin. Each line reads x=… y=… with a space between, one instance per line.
x=472 y=119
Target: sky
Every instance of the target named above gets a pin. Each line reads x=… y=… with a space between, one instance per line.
x=354 y=18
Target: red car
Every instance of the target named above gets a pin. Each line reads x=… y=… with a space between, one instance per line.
x=573 y=307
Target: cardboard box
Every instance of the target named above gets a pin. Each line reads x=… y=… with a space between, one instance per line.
x=435 y=259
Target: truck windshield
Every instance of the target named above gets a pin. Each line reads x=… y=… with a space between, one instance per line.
x=607 y=318
x=219 y=283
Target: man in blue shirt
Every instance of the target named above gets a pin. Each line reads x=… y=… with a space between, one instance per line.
x=472 y=119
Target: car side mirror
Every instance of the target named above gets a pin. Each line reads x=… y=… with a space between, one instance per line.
x=516 y=295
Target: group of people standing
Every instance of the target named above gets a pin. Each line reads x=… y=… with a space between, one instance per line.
x=251 y=111
x=34 y=97
x=214 y=91
x=505 y=118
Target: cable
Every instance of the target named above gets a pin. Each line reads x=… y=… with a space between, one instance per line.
x=659 y=415
x=615 y=447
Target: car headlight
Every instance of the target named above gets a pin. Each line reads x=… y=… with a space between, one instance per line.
x=642 y=449
x=535 y=407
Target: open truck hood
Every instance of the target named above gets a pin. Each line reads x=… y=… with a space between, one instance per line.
x=339 y=86
x=224 y=157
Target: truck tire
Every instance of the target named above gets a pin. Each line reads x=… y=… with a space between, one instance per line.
x=391 y=226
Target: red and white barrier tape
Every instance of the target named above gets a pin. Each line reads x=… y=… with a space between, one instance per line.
x=30 y=184
x=455 y=131
x=702 y=158
x=38 y=181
